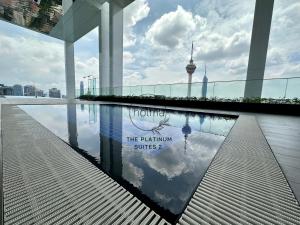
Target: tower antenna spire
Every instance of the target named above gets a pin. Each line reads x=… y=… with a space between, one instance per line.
x=192 y=51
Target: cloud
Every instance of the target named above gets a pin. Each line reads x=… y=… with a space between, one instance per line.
x=135 y=12
x=215 y=46
x=172 y=28
x=26 y=60
x=128 y=57
x=133 y=174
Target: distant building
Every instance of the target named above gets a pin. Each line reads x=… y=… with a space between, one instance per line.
x=81 y=88
x=18 y=90
x=204 y=84
x=54 y=93
x=29 y=90
x=39 y=93
x=5 y=90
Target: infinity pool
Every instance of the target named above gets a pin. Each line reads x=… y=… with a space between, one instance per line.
x=159 y=155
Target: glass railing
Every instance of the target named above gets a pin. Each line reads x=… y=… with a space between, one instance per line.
x=272 y=88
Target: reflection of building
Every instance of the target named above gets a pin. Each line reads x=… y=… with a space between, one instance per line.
x=29 y=90
x=35 y=14
x=18 y=90
x=54 y=93
x=92 y=113
x=186 y=130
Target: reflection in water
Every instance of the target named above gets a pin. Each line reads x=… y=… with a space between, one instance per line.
x=186 y=130
x=72 y=125
x=161 y=168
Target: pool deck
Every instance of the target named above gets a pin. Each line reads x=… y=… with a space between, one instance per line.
x=253 y=179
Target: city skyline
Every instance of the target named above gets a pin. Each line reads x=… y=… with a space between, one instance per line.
x=221 y=33
x=28 y=90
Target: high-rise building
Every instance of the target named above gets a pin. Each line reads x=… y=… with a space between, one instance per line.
x=29 y=90
x=54 y=93
x=39 y=93
x=18 y=90
x=81 y=88
x=6 y=90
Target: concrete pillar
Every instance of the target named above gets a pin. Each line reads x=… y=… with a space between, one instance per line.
x=259 y=47
x=104 y=76
x=70 y=70
x=69 y=59
x=111 y=49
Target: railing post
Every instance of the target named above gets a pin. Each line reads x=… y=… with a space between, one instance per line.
x=214 y=89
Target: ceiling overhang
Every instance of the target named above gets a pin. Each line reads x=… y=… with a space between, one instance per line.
x=47 y=17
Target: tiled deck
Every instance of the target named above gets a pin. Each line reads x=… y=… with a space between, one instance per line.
x=44 y=182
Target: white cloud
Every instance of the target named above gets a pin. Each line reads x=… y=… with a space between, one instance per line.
x=133 y=174
x=221 y=34
x=128 y=57
x=85 y=67
x=135 y=12
x=172 y=28
x=32 y=61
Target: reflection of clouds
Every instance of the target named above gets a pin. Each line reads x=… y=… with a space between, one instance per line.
x=132 y=173
x=53 y=117
x=175 y=161
x=162 y=197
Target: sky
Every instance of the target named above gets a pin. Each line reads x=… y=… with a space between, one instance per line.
x=157 y=44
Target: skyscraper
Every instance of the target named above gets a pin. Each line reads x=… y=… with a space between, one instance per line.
x=81 y=88
x=39 y=93
x=29 y=90
x=204 y=84
x=6 y=90
x=18 y=90
x=54 y=93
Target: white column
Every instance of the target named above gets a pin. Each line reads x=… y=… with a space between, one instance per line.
x=69 y=59
x=111 y=49
x=259 y=47
x=104 y=62
x=116 y=47
x=70 y=70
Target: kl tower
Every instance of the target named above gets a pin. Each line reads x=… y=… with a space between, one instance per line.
x=190 y=69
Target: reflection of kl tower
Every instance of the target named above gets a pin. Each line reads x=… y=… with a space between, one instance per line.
x=186 y=130
x=190 y=69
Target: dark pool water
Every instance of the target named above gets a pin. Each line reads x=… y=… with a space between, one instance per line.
x=158 y=155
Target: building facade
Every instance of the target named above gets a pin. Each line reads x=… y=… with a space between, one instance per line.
x=18 y=90
x=81 y=88
x=54 y=93
x=5 y=90
x=40 y=93
x=29 y=90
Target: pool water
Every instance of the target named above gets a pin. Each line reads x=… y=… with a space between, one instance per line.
x=159 y=155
